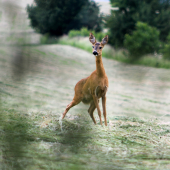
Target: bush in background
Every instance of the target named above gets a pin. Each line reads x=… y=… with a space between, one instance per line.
x=166 y=49
x=84 y=32
x=46 y=39
x=143 y=41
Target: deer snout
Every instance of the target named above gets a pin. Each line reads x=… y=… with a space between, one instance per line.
x=95 y=52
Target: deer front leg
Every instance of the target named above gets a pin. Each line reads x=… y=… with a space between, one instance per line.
x=104 y=109
x=95 y=99
x=104 y=104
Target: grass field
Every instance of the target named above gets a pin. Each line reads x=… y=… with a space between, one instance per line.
x=36 y=84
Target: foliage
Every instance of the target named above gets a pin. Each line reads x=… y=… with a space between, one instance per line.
x=44 y=39
x=88 y=17
x=85 y=32
x=47 y=39
x=58 y=17
x=166 y=49
x=155 y=13
x=53 y=17
x=143 y=41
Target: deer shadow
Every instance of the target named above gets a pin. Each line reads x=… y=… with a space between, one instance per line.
x=75 y=136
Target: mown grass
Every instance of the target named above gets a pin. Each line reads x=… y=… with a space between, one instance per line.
x=118 y=55
x=33 y=141
x=40 y=140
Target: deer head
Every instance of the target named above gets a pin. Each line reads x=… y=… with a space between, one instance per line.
x=98 y=46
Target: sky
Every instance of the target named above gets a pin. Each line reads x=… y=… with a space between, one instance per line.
x=102 y=0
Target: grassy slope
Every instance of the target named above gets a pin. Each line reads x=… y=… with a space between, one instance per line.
x=36 y=84
x=118 y=55
x=137 y=136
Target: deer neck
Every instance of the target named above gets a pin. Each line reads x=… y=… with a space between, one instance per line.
x=99 y=66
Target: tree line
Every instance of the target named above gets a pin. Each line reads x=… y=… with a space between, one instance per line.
x=58 y=17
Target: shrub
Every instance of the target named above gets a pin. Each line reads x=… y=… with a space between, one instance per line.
x=84 y=32
x=144 y=40
x=166 y=49
x=44 y=39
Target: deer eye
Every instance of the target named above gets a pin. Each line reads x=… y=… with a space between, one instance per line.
x=93 y=46
x=100 y=47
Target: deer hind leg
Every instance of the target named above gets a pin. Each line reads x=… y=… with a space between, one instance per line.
x=104 y=105
x=74 y=102
x=91 y=110
x=95 y=99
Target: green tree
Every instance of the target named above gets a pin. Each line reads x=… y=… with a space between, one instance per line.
x=57 y=17
x=166 y=49
x=156 y=13
x=143 y=41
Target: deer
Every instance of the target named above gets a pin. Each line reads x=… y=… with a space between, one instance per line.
x=89 y=90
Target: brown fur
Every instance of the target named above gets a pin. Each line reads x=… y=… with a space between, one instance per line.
x=94 y=87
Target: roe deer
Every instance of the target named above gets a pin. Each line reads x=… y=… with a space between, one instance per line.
x=94 y=87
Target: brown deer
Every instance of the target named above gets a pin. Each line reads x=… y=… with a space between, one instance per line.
x=94 y=87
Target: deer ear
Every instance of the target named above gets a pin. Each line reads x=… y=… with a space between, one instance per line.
x=105 y=40
x=92 y=39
